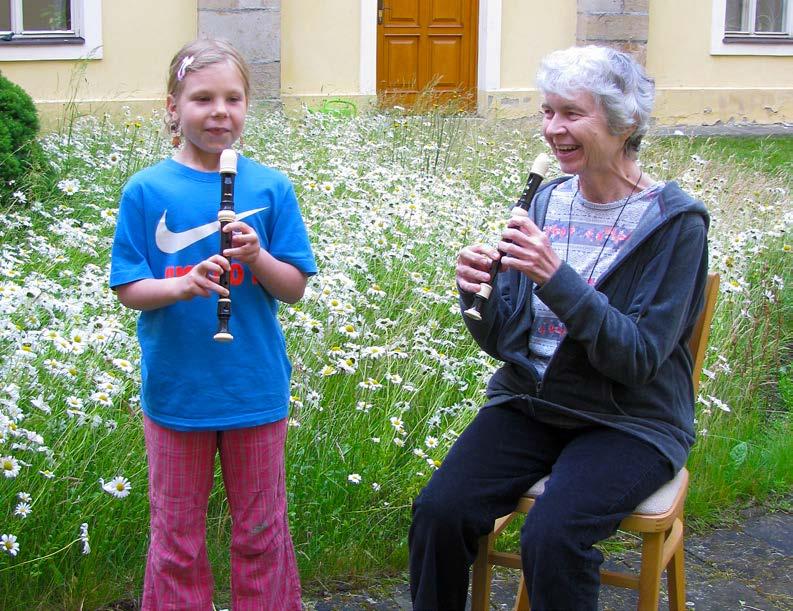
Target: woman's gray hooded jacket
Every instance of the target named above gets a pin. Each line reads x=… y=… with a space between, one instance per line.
x=624 y=361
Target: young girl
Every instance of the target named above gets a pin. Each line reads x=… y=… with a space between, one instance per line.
x=199 y=396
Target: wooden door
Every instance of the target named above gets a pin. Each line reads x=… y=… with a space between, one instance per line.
x=427 y=45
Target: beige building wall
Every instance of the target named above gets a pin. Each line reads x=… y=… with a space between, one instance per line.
x=695 y=87
x=530 y=29
x=139 y=39
x=320 y=50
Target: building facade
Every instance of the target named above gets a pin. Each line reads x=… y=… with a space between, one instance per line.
x=714 y=61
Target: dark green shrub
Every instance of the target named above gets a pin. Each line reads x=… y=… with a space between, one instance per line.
x=19 y=124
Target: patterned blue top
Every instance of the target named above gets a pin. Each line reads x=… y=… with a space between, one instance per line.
x=588 y=236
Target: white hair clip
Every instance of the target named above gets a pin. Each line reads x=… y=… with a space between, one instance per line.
x=183 y=67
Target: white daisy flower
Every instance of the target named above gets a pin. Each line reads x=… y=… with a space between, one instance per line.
x=374 y=352
x=40 y=405
x=10 y=466
x=124 y=365
x=347 y=365
x=370 y=384
x=354 y=478
x=84 y=538
x=74 y=402
x=118 y=487
x=349 y=330
x=22 y=510
x=70 y=186
x=394 y=378
x=8 y=544
x=102 y=398
x=720 y=404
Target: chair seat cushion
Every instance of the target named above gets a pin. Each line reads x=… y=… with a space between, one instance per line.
x=657 y=503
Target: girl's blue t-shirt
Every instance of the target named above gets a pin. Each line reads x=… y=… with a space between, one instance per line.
x=167 y=222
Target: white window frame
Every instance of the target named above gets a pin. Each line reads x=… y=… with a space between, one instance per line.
x=86 y=33
x=762 y=44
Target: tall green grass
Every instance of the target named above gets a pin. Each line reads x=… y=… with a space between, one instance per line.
x=385 y=376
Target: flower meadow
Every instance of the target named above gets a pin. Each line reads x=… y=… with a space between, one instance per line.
x=385 y=376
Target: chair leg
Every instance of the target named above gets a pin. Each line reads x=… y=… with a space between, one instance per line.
x=650 y=576
x=676 y=580
x=481 y=575
x=522 y=599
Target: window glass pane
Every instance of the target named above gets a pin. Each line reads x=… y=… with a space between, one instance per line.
x=770 y=16
x=5 y=16
x=734 y=20
x=46 y=15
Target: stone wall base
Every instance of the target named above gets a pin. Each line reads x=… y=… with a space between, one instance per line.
x=674 y=106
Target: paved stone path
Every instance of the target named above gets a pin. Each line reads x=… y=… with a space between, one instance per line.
x=749 y=568
x=725 y=129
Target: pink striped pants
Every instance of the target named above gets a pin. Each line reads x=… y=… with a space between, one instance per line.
x=181 y=467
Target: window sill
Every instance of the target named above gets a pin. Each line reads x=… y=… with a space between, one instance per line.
x=757 y=40
x=39 y=41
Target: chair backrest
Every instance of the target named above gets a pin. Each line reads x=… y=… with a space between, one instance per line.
x=698 y=343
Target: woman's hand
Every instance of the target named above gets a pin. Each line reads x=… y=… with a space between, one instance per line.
x=244 y=242
x=526 y=248
x=473 y=266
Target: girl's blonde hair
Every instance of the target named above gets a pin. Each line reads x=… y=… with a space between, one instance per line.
x=199 y=54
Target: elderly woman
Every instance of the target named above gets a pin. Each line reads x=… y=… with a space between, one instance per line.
x=603 y=281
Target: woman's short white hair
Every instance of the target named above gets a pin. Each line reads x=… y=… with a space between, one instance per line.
x=618 y=83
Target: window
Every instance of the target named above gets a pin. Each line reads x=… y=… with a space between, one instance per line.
x=752 y=27
x=50 y=29
x=756 y=19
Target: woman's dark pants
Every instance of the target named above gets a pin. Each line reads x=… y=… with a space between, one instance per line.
x=599 y=476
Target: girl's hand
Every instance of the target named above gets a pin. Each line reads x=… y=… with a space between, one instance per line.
x=244 y=242
x=202 y=279
x=473 y=266
x=527 y=249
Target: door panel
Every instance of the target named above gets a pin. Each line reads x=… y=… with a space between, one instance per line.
x=427 y=46
x=404 y=13
x=402 y=54
x=445 y=62
x=446 y=12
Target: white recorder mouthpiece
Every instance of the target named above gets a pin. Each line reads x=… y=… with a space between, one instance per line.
x=540 y=166
x=228 y=161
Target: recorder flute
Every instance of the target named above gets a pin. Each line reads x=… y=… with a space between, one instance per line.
x=226 y=215
x=538 y=170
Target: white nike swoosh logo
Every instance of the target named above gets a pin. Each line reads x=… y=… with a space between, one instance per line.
x=171 y=242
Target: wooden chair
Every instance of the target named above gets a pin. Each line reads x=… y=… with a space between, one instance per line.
x=658 y=518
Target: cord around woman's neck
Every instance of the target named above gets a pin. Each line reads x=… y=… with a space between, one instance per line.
x=608 y=187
